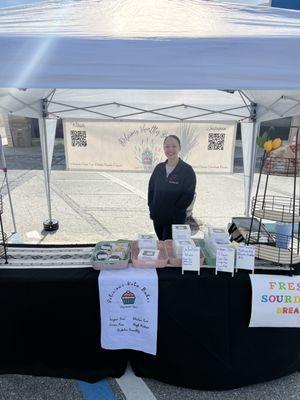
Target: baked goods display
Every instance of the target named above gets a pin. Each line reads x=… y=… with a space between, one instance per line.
x=149 y=258
x=111 y=255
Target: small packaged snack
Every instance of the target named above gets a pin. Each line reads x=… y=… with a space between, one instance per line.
x=147 y=241
x=160 y=262
x=148 y=254
x=181 y=232
x=111 y=255
x=178 y=245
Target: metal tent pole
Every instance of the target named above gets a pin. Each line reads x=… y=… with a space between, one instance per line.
x=7 y=185
x=253 y=157
x=10 y=202
x=50 y=224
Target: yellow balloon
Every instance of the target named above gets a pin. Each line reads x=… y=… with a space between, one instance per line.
x=276 y=143
x=268 y=146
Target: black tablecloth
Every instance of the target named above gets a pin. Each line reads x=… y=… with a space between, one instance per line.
x=50 y=326
x=203 y=337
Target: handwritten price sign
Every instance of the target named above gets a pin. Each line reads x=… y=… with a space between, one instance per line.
x=191 y=259
x=245 y=257
x=225 y=259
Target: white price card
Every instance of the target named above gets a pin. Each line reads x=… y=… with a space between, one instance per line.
x=245 y=256
x=191 y=259
x=225 y=259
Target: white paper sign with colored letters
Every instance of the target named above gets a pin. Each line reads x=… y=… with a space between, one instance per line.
x=275 y=301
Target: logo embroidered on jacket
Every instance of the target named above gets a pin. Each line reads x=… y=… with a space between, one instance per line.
x=173 y=178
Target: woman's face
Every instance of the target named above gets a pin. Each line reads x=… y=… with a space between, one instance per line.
x=171 y=148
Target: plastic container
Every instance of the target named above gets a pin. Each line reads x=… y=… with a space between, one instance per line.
x=181 y=232
x=283 y=235
x=113 y=262
x=161 y=262
x=173 y=260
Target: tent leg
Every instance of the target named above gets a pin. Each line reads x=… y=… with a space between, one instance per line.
x=10 y=203
x=4 y=167
x=252 y=166
x=248 y=133
x=50 y=224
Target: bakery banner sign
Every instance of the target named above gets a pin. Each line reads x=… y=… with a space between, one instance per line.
x=275 y=301
x=138 y=146
x=128 y=307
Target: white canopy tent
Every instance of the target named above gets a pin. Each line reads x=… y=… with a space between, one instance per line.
x=157 y=59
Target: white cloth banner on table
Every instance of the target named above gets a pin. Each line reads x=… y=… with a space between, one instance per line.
x=128 y=306
x=275 y=301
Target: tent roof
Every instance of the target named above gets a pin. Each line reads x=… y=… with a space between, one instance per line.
x=149 y=44
x=147 y=19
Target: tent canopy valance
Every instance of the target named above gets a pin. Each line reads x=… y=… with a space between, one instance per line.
x=188 y=105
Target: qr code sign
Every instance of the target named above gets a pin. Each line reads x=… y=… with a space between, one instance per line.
x=78 y=138
x=216 y=141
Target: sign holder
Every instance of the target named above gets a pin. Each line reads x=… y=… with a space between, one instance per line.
x=191 y=259
x=225 y=259
x=245 y=257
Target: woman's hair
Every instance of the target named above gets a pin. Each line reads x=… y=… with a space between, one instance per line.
x=173 y=137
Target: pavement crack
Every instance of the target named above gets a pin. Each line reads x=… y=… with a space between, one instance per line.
x=18 y=181
x=90 y=219
x=125 y=185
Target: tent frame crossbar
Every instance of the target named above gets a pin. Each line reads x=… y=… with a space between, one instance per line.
x=283 y=114
x=51 y=95
x=156 y=111
x=29 y=105
x=224 y=112
x=297 y=102
x=243 y=96
x=270 y=107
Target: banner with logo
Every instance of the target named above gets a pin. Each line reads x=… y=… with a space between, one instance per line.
x=138 y=146
x=275 y=301
x=128 y=305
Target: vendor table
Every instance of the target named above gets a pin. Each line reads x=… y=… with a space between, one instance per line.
x=203 y=337
x=50 y=325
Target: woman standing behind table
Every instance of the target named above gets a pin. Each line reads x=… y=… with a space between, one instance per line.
x=171 y=190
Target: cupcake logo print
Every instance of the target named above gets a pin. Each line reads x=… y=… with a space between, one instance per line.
x=147 y=158
x=128 y=297
x=148 y=153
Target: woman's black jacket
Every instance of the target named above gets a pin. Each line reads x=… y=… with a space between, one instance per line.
x=169 y=197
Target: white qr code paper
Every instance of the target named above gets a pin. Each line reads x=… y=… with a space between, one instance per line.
x=78 y=138
x=216 y=141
